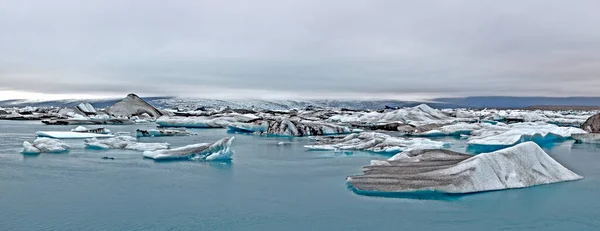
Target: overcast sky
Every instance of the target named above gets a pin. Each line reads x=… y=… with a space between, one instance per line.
x=299 y=49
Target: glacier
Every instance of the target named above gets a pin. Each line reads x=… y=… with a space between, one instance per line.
x=45 y=145
x=373 y=142
x=445 y=171
x=217 y=151
x=123 y=142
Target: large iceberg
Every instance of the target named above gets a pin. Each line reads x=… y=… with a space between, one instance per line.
x=503 y=135
x=45 y=144
x=70 y=135
x=133 y=105
x=592 y=124
x=123 y=142
x=289 y=127
x=445 y=171
x=374 y=142
x=217 y=151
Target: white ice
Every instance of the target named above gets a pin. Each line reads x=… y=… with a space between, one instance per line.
x=590 y=138
x=44 y=144
x=374 y=142
x=512 y=134
x=217 y=151
x=71 y=135
x=204 y=122
x=123 y=142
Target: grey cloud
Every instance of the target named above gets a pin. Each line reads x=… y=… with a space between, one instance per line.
x=306 y=48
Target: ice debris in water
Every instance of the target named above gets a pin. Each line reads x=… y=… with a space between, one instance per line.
x=163 y=132
x=217 y=151
x=289 y=127
x=508 y=135
x=123 y=142
x=445 y=171
x=374 y=142
x=44 y=144
x=70 y=135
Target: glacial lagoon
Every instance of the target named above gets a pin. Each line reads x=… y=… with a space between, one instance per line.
x=265 y=186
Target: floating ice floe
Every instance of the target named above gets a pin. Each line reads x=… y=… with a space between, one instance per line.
x=70 y=135
x=217 y=151
x=163 y=132
x=590 y=138
x=374 y=142
x=289 y=127
x=450 y=130
x=417 y=116
x=219 y=121
x=508 y=135
x=90 y=130
x=44 y=144
x=445 y=171
x=123 y=142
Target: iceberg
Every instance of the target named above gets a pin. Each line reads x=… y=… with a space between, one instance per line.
x=44 y=144
x=590 y=138
x=92 y=130
x=220 y=121
x=449 y=130
x=70 y=135
x=445 y=171
x=508 y=135
x=162 y=132
x=133 y=105
x=86 y=108
x=592 y=124
x=289 y=127
x=373 y=142
x=217 y=151
x=123 y=142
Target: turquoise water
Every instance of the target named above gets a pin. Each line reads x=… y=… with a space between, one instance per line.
x=265 y=187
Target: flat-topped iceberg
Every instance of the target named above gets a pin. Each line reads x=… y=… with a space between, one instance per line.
x=45 y=144
x=123 y=142
x=203 y=122
x=90 y=130
x=289 y=127
x=374 y=142
x=162 y=132
x=417 y=116
x=449 y=130
x=70 y=135
x=445 y=171
x=507 y=135
x=217 y=151
x=590 y=138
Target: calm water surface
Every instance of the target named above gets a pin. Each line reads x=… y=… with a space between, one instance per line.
x=265 y=187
